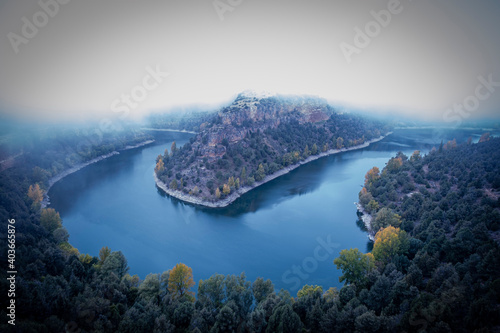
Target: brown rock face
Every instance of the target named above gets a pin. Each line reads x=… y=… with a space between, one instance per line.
x=249 y=113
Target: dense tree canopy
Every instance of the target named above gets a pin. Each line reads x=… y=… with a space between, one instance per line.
x=437 y=271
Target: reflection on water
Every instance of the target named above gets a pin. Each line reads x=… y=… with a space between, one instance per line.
x=264 y=233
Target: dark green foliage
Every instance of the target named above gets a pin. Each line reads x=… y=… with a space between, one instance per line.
x=250 y=146
x=284 y=320
x=446 y=281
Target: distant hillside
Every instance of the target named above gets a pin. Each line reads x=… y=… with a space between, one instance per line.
x=255 y=137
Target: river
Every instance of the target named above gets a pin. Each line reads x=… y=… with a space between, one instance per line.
x=288 y=230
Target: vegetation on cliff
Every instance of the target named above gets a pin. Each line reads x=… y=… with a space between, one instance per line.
x=255 y=137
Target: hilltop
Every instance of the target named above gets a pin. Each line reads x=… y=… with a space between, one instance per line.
x=255 y=139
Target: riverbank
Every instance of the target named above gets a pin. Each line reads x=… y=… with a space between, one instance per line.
x=167 y=130
x=242 y=190
x=367 y=220
x=79 y=166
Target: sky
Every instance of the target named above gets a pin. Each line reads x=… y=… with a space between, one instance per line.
x=70 y=60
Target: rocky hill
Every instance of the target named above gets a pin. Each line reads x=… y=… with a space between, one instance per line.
x=256 y=137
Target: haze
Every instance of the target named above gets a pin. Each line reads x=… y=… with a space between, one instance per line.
x=427 y=58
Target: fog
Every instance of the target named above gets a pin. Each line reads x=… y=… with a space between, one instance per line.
x=76 y=60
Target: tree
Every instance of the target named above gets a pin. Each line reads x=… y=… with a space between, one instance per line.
x=115 y=263
x=385 y=217
x=415 y=157
x=243 y=176
x=340 y=143
x=393 y=165
x=173 y=184
x=217 y=193
x=50 y=219
x=35 y=193
x=230 y=182
x=226 y=321
x=306 y=152
x=389 y=242
x=160 y=166
x=284 y=320
x=150 y=287
x=261 y=173
x=195 y=190
x=104 y=252
x=308 y=290
x=364 y=197
x=372 y=206
x=61 y=235
x=173 y=149
x=226 y=189
x=355 y=265
x=372 y=175
x=331 y=294
x=261 y=289
x=182 y=315
x=325 y=147
x=367 y=322
x=314 y=149
x=237 y=183
x=180 y=281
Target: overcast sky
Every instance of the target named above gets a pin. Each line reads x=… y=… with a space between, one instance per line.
x=84 y=57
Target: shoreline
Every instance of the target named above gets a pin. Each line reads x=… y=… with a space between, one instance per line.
x=46 y=199
x=242 y=190
x=367 y=220
x=167 y=130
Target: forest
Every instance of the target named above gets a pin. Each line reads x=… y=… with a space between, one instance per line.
x=254 y=138
x=434 y=267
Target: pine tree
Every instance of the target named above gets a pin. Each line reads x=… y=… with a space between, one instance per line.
x=306 y=152
x=173 y=148
x=243 y=176
x=230 y=182
x=226 y=189
x=160 y=167
x=314 y=149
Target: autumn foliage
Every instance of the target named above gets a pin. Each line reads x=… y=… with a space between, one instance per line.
x=180 y=281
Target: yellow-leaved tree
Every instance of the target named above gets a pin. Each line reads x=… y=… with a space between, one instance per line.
x=372 y=175
x=35 y=193
x=180 y=280
x=389 y=242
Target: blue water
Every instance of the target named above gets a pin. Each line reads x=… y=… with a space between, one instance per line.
x=275 y=231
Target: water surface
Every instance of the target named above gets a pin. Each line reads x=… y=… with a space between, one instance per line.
x=274 y=231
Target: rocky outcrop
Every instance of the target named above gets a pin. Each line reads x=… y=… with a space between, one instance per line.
x=249 y=112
